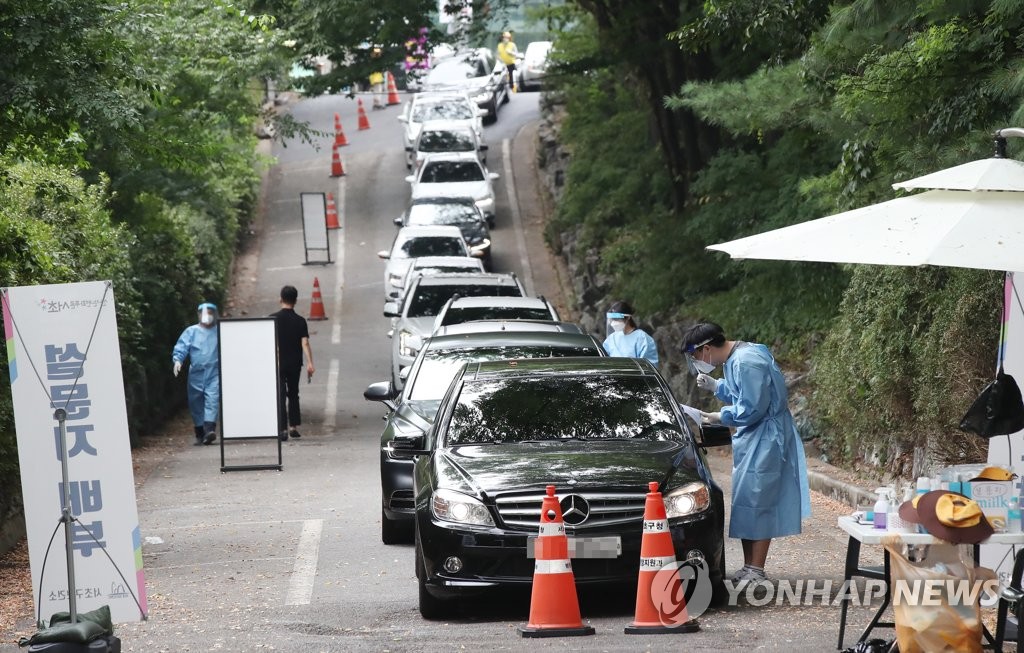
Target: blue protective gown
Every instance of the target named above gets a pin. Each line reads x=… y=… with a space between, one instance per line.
x=199 y=345
x=636 y=344
x=769 y=471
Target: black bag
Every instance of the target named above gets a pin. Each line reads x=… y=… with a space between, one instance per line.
x=871 y=646
x=998 y=410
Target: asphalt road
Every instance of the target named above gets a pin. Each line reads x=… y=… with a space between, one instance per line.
x=292 y=560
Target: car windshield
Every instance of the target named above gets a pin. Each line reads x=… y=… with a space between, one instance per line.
x=447 y=141
x=432 y=246
x=449 y=110
x=455 y=71
x=543 y=408
x=442 y=269
x=469 y=313
x=442 y=214
x=447 y=172
x=429 y=300
x=439 y=366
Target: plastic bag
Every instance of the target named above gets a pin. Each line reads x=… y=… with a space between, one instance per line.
x=924 y=626
x=998 y=410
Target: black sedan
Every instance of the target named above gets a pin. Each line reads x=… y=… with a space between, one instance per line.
x=600 y=430
x=456 y=212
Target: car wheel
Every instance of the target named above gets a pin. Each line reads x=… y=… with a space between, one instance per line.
x=431 y=607
x=393 y=531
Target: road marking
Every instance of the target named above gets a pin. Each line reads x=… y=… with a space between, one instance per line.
x=517 y=221
x=339 y=281
x=331 y=402
x=286 y=200
x=285 y=267
x=300 y=587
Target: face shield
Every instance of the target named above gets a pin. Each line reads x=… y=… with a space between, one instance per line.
x=207 y=314
x=615 y=322
x=695 y=365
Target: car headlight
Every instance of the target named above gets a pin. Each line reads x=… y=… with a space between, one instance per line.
x=687 y=500
x=395 y=279
x=451 y=506
x=482 y=96
x=481 y=246
x=485 y=203
x=407 y=344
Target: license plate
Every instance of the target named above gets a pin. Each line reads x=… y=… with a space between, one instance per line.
x=585 y=547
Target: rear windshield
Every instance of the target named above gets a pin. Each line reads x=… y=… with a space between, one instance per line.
x=449 y=110
x=447 y=141
x=446 y=172
x=591 y=407
x=433 y=246
x=430 y=299
x=439 y=366
x=441 y=269
x=460 y=315
x=442 y=214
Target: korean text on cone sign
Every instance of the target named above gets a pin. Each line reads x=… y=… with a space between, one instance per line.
x=554 y=606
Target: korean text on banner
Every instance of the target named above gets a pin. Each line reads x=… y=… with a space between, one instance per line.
x=53 y=365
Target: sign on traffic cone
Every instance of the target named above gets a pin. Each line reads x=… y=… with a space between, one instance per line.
x=336 y=169
x=316 y=310
x=364 y=122
x=392 y=91
x=332 y=213
x=554 y=608
x=339 y=133
x=660 y=604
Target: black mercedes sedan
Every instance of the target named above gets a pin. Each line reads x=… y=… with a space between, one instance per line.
x=600 y=430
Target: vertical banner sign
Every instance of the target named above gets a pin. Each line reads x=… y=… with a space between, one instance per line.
x=314 y=225
x=63 y=352
x=1008 y=451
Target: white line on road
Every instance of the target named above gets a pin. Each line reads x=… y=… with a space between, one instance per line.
x=300 y=587
x=517 y=222
x=286 y=267
x=331 y=402
x=339 y=281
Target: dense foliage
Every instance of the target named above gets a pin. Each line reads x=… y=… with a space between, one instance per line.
x=802 y=109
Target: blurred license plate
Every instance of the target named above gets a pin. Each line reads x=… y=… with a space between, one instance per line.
x=585 y=547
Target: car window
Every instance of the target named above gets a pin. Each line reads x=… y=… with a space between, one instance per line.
x=439 y=366
x=446 y=172
x=442 y=214
x=429 y=300
x=453 y=71
x=447 y=141
x=590 y=407
x=433 y=246
x=467 y=314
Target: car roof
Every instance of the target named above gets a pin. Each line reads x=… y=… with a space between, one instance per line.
x=451 y=156
x=430 y=261
x=422 y=231
x=571 y=366
x=516 y=326
x=483 y=301
x=441 y=199
x=447 y=125
x=451 y=278
x=497 y=338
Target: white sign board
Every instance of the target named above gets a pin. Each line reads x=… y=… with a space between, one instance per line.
x=63 y=352
x=314 y=223
x=996 y=556
x=248 y=378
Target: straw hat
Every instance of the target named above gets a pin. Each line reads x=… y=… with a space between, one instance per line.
x=948 y=516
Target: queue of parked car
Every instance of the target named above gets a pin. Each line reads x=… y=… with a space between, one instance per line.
x=492 y=397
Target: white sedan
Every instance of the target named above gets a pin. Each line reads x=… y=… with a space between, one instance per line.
x=455 y=175
x=439 y=136
x=414 y=242
x=451 y=106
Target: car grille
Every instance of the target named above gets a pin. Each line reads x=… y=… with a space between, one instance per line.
x=522 y=511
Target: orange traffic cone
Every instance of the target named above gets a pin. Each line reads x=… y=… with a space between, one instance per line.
x=336 y=169
x=364 y=123
x=554 y=608
x=316 y=310
x=332 y=213
x=660 y=604
x=339 y=134
x=392 y=91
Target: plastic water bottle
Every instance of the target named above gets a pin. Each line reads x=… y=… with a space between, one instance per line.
x=881 y=508
x=1013 y=524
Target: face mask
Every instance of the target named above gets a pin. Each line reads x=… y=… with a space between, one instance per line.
x=206 y=318
x=702 y=367
x=617 y=325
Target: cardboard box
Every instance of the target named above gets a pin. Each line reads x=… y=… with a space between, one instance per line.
x=994 y=499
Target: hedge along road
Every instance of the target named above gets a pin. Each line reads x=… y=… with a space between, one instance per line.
x=292 y=560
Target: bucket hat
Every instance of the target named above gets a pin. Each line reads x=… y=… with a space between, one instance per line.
x=948 y=516
x=994 y=474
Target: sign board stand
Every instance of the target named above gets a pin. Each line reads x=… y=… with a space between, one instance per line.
x=249 y=385
x=314 y=226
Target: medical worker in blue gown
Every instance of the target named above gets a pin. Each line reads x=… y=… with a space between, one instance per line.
x=770 y=495
x=198 y=343
x=625 y=338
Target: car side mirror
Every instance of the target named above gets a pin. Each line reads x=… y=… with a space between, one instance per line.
x=493 y=175
x=382 y=391
x=385 y=254
x=715 y=435
x=476 y=253
x=407 y=446
x=404 y=372
x=411 y=178
x=402 y=119
x=391 y=309
x=398 y=222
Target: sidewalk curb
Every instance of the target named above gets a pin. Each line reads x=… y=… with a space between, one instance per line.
x=840 y=491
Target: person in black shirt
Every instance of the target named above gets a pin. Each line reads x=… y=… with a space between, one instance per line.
x=292 y=341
